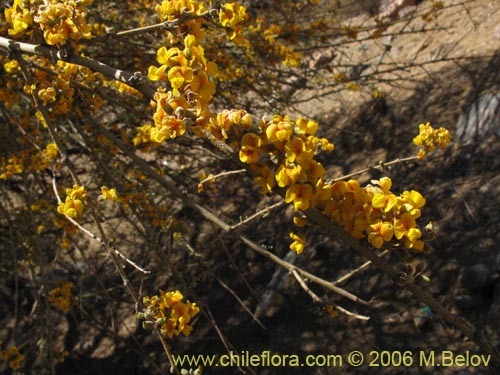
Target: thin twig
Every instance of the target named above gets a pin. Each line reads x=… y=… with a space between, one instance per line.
x=258 y=214
x=304 y=286
x=347 y=312
x=317 y=299
x=227 y=173
x=233 y=293
x=379 y=166
x=359 y=269
x=173 y=368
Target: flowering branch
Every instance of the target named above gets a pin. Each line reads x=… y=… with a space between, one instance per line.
x=132 y=79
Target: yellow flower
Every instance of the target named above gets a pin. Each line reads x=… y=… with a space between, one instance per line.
x=266 y=180
x=19 y=16
x=250 y=148
x=178 y=75
x=13 y=356
x=379 y=232
x=232 y=14
x=403 y=225
x=413 y=239
x=71 y=208
x=108 y=193
x=296 y=149
x=301 y=195
x=298 y=243
x=280 y=131
x=306 y=126
x=384 y=202
x=299 y=221
x=51 y=151
x=166 y=56
x=11 y=66
x=73 y=205
x=288 y=174
x=412 y=202
x=203 y=86
x=157 y=74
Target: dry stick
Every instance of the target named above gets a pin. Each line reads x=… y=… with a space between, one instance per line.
x=121 y=272
x=167 y=25
x=227 y=173
x=208 y=314
x=379 y=166
x=139 y=83
x=235 y=266
x=258 y=214
x=315 y=297
x=16 y=276
x=326 y=284
x=147 y=169
x=166 y=348
x=41 y=108
x=359 y=269
x=320 y=219
x=233 y=293
x=304 y=286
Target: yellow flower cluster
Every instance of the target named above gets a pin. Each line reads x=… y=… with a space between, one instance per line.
x=13 y=356
x=430 y=138
x=167 y=313
x=74 y=203
x=110 y=194
x=59 y=20
x=232 y=16
x=19 y=15
x=193 y=12
x=374 y=211
x=282 y=153
x=264 y=37
x=62 y=297
x=187 y=71
x=10 y=166
x=279 y=151
x=63 y=20
x=27 y=160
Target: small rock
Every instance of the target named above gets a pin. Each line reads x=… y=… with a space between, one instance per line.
x=481 y=119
